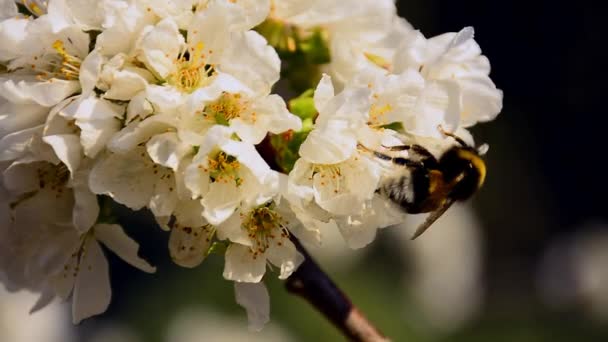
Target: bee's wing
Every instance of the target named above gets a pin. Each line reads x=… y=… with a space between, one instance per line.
x=433 y=216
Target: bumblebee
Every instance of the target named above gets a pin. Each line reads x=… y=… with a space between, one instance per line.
x=422 y=183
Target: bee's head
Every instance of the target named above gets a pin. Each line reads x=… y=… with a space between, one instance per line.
x=463 y=167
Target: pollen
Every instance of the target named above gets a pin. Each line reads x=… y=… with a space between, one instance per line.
x=192 y=71
x=377 y=112
x=63 y=65
x=264 y=226
x=224 y=168
x=227 y=107
x=330 y=175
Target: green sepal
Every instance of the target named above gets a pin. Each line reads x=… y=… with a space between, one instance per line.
x=287 y=146
x=395 y=126
x=303 y=105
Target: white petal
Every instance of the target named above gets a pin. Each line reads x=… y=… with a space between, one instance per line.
x=160 y=46
x=242 y=266
x=12 y=34
x=92 y=291
x=188 y=246
x=255 y=299
x=138 y=132
x=196 y=180
x=86 y=207
x=254 y=62
x=43 y=93
x=164 y=99
x=210 y=27
x=89 y=71
x=189 y=213
x=126 y=178
x=232 y=230
x=113 y=237
x=166 y=149
x=67 y=148
x=127 y=83
x=14 y=145
x=139 y=106
x=356 y=233
x=63 y=283
x=97 y=119
x=220 y=202
x=14 y=117
x=324 y=92
x=285 y=256
x=271 y=115
x=8 y=9
x=165 y=199
x=438 y=104
x=250 y=157
x=331 y=145
x=246 y=14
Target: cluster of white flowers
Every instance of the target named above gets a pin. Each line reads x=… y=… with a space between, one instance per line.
x=161 y=104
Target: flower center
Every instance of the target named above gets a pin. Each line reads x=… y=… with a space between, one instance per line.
x=63 y=65
x=227 y=107
x=192 y=71
x=330 y=175
x=264 y=225
x=224 y=168
x=378 y=111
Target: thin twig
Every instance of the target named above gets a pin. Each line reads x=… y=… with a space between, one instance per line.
x=311 y=283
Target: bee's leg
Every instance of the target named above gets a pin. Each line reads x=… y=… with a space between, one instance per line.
x=398 y=160
x=418 y=149
x=454 y=136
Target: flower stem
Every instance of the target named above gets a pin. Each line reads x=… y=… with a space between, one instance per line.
x=310 y=282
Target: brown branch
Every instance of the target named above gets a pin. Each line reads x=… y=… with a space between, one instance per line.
x=311 y=283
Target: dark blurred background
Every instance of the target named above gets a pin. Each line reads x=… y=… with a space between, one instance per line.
x=527 y=260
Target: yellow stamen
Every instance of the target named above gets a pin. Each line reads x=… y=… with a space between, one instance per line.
x=378 y=60
x=192 y=70
x=264 y=225
x=224 y=168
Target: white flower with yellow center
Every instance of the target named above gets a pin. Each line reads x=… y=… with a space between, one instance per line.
x=225 y=172
x=47 y=75
x=259 y=235
x=332 y=170
x=230 y=103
